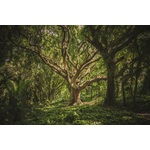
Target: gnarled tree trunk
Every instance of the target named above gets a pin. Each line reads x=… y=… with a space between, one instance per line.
x=75 y=96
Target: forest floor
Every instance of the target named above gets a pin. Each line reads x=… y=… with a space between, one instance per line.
x=90 y=113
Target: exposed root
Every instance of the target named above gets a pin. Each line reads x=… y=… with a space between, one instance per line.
x=79 y=103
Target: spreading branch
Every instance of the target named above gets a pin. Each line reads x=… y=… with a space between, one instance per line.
x=89 y=82
x=84 y=65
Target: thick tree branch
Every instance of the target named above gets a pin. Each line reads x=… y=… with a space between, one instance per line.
x=65 y=55
x=128 y=38
x=89 y=82
x=88 y=71
x=85 y=64
x=52 y=64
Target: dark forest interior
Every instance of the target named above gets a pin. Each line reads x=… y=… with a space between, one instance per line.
x=75 y=75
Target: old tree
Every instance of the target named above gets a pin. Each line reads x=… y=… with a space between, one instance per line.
x=45 y=68
x=65 y=51
x=77 y=53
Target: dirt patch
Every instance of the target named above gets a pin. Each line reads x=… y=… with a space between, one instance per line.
x=89 y=103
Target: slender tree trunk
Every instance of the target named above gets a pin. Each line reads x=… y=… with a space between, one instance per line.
x=136 y=84
x=110 y=95
x=49 y=89
x=135 y=93
x=144 y=90
x=123 y=94
x=117 y=89
x=91 y=92
x=99 y=91
x=36 y=99
x=75 y=97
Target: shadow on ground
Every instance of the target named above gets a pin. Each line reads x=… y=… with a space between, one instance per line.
x=96 y=114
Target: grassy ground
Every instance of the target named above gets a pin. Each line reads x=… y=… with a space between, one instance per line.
x=87 y=114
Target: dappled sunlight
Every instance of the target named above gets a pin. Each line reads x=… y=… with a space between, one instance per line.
x=75 y=74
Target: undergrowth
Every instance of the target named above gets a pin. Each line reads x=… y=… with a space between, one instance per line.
x=81 y=115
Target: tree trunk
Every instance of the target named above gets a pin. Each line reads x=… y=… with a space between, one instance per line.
x=136 y=84
x=117 y=89
x=75 y=97
x=36 y=99
x=110 y=95
x=123 y=94
x=91 y=91
x=135 y=93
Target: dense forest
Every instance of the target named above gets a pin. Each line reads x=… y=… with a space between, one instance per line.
x=75 y=74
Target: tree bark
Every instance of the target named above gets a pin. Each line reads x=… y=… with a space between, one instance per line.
x=75 y=97
x=110 y=95
x=136 y=84
x=123 y=94
x=117 y=89
x=91 y=91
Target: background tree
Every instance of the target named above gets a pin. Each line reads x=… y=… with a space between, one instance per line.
x=110 y=40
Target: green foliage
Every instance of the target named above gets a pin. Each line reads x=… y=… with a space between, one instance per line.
x=81 y=115
x=71 y=117
x=34 y=92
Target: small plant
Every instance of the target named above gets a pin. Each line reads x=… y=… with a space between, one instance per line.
x=71 y=117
